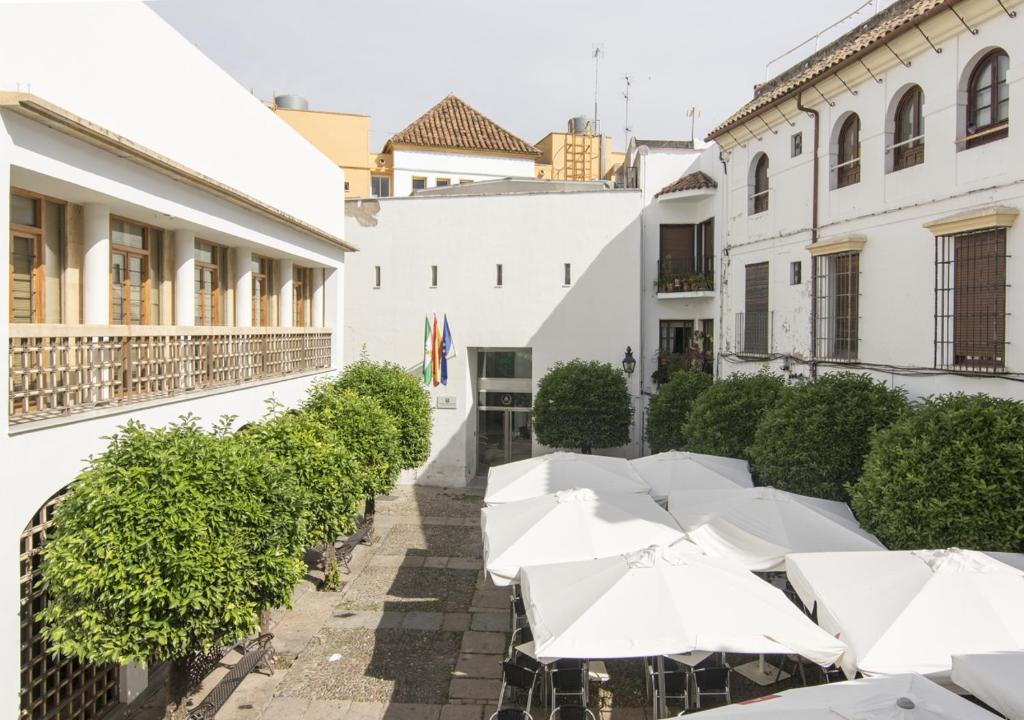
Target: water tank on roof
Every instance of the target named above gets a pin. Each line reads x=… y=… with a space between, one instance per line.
x=291 y=102
x=579 y=124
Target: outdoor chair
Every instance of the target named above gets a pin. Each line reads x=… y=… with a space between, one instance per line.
x=833 y=673
x=517 y=683
x=518 y=609
x=519 y=636
x=712 y=682
x=794 y=664
x=676 y=684
x=571 y=712
x=568 y=680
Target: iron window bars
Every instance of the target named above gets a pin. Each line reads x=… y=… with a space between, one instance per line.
x=837 y=305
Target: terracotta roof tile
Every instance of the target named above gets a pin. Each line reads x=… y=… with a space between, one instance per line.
x=894 y=20
x=694 y=181
x=453 y=124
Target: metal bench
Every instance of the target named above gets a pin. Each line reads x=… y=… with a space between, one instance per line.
x=256 y=653
x=362 y=536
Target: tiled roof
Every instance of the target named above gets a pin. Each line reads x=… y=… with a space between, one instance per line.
x=453 y=124
x=666 y=144
x=898 y=18
x=694 y=181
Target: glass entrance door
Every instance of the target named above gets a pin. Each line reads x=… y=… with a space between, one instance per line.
x=504 y=397
x=504 y=435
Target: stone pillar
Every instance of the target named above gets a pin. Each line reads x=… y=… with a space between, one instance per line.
x=96 y=265
x=242 y=260
x=317 y=298
x=334 y=311
x=184 y=277
x=285 y=295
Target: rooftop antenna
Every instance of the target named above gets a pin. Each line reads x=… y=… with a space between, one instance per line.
x=693 y=113
x=597 y=52
x=629 y=82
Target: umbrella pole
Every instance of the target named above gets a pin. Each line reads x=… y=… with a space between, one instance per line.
x=662 y=705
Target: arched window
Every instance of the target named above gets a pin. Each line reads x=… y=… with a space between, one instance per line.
x=759 y=198
x=848 y=159
x=908 y=139
x=988 y=100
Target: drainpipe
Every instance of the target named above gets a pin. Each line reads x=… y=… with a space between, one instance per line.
x=814 y=230
x=642 y=152
x=720 y=272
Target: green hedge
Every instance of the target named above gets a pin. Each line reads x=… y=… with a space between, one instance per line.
x=582 y=405
x=670 y=407
x=949 y=473
x=725 y=417
x=814 y=439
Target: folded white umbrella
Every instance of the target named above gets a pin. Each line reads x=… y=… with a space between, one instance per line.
x=997 y=679
x=568 y=525
x=900 y=697
x=661 y=601
x=676 y=470
x=547 y=474
x=911 y=611
x=757 y=527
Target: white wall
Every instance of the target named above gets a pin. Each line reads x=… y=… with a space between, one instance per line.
x=889 y=209
x=454 y=166
x=532 y=236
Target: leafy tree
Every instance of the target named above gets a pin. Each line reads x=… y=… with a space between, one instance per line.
x=583 y=405
x=670 y=406
x=404 y=398
x=725 y=416
x=321 y=474
x=169 y=544
x=366 y=430
x=950 y=472
x=814 y=439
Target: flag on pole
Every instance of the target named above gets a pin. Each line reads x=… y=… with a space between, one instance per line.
x=447 y=350
x=435 y=354
x=426 y=350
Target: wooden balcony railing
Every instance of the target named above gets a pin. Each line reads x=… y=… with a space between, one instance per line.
x=58 y=370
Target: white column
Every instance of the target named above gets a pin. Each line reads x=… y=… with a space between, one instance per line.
x=334 y=311
x=184 y=277
x=285 y=295
x=318 y=297
x=96 y=265
x=243 y=287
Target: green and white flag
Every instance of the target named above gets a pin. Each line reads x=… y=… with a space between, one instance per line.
x=427 y=364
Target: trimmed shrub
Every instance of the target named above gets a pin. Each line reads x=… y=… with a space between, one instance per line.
x=670 y=407
x=949 y=473
x=400 y=394
x=814 y=439
x=725 y=417
x=584 y=405
x=169 y=543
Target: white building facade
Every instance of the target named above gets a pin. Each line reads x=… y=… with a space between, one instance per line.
x=158 y=266
x=526 y=278
x=424 y=168
x=888 y=245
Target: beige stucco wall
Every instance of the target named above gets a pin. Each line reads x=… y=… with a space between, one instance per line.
x=342 y=137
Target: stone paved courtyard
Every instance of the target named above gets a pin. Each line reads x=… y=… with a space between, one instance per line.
x=416 y=633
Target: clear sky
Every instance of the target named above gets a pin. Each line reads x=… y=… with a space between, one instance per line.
x=527 y=64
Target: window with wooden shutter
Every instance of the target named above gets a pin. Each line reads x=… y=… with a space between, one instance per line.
x=752 y=326
x=970 y=313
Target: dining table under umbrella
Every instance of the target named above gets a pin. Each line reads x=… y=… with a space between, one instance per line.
x=546 y=474
x=679 y=470
x=912 y=611
x=661 y=601
x=899 y=697
x=758 y=526
x=576 y=524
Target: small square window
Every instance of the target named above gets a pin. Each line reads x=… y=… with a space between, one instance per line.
x=419 y=183
x=433 y=276
x=498 y=279
x=443 y=182
x=796 y=272
x=346 y=186
x=376 y=276
x=568 y=274
x=796 y=144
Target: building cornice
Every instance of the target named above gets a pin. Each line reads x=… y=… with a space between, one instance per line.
x=391 y=147
x=57 y=118
x=847 y=243
x=972 y=220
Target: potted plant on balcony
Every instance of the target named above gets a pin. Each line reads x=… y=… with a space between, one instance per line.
x=665 y=278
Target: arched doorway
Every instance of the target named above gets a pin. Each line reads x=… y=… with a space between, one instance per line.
x=54 y=688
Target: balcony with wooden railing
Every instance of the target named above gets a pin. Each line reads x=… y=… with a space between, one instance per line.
x=62 y=370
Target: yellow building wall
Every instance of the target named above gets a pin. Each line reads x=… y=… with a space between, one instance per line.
x=342 y=137
x=574 y=156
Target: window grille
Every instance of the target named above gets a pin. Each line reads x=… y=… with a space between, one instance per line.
x=753 y=333
x=837 y=306
x=54 y=688
x=970 y=301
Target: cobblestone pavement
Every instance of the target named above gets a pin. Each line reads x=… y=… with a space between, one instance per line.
x=416 y=633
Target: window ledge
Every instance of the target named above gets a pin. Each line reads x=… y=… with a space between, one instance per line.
x=683 y=294
x=847 y=243
x=980 y=219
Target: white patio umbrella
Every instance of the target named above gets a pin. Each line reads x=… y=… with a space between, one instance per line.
x=547 y=474
x=569 y=525
x=660 y=601
x=676 y=470
x=909 y=697
x=997 y=679
x=911 y=611
x=758 y=527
